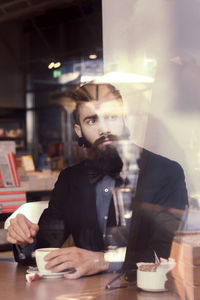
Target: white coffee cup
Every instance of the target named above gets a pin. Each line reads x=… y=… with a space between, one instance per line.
x=151 y=281
x=41 y=263
x=154 y=280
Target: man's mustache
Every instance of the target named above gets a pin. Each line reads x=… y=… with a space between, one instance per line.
x=110 y=137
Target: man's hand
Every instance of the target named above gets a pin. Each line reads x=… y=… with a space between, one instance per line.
x=85 y=262
x=21 y=231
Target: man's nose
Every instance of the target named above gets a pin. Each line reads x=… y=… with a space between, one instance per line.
x=104 y=126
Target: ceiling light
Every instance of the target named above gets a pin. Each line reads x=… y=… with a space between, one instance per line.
x=57 y=65
x=54 y=65
x=51 y=65
x=92 y=56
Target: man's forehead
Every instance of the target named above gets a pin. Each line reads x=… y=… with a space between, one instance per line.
x=103 y=105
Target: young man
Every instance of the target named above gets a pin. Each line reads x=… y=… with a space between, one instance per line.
x=82 y=204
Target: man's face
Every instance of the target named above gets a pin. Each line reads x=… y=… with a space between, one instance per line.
x=100 y=120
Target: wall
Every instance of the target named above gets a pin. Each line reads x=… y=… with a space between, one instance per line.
x=159 y=39
x=11 y=73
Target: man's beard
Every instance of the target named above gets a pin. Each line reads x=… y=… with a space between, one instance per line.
x=106 y=157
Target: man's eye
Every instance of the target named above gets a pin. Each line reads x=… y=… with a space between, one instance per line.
x=91 y=121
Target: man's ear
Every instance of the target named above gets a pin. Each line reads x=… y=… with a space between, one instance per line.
x=77 y=129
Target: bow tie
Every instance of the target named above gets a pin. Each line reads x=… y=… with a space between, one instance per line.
x=95 y=174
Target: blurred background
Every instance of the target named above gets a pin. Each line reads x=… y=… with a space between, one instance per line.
x=46 y=48
x=49 y=47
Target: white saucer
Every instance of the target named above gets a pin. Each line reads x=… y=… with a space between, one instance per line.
x=50 y=275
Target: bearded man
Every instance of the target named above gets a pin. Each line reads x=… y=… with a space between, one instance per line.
x=82 y=203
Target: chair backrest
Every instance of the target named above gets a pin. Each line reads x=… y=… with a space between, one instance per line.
x=31 y=210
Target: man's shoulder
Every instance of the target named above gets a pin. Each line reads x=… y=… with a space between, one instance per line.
x=155 y=160
x=76 y=169
x=73 y=175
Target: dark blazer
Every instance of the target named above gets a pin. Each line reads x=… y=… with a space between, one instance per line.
x=72 y=209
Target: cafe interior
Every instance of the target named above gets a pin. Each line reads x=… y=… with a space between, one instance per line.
x=149 y=50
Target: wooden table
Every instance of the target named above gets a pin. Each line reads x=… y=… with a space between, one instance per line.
x=13 y=286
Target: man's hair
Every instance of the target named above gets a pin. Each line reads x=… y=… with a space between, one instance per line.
x=90 y=92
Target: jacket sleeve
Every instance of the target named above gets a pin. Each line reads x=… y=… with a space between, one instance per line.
x=172 y=191
x=53 y=229
x=157 y=214
x=152 y=231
